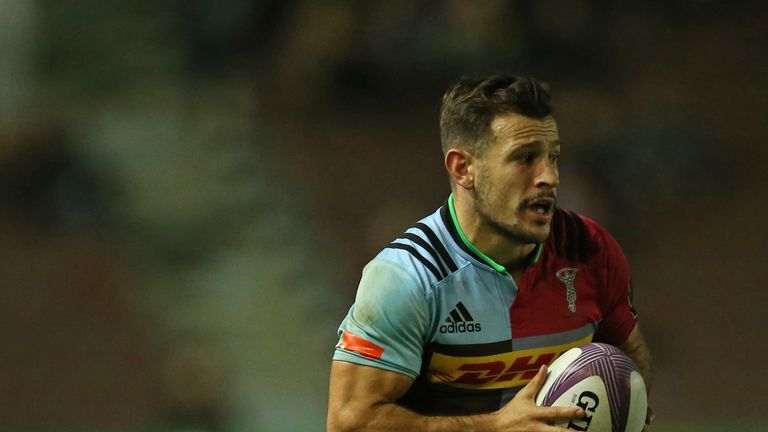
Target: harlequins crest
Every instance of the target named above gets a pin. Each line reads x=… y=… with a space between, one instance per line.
x=567 y=275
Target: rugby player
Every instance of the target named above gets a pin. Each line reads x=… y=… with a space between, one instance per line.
x=455 y=321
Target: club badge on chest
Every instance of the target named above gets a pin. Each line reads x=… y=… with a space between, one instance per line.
x=567 y=275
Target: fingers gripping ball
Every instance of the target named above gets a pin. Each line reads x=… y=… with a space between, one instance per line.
x=603 y=381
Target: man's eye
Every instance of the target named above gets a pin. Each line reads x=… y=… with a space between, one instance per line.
x=554 y=157
x=527 y=157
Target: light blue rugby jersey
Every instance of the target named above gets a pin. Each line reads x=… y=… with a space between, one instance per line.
x=405 y=295
x=433 y=307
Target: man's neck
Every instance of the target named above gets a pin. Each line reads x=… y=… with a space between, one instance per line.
x=514 y=256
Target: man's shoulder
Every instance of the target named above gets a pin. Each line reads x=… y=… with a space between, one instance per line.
x=578 y=237
x=423 y=251
x=565 y=216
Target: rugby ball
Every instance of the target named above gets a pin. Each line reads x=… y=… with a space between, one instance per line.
x=603 y=381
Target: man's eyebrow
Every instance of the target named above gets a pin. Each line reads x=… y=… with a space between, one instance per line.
x=533 y=145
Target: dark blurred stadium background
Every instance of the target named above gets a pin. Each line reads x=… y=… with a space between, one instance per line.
x=189 y=189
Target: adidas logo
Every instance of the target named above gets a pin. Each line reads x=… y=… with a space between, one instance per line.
x=459 y=320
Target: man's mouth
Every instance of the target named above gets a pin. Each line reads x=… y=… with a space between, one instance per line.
x=542 y=206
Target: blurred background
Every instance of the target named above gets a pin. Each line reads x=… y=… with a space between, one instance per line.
x=189 y=191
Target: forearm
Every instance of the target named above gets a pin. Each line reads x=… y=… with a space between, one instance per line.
x=637 y=349
x=363 y=400
x=392 y=417
x=642 y=357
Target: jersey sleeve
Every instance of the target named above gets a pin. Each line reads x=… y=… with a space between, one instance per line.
x=386 y=326
x=619 y=315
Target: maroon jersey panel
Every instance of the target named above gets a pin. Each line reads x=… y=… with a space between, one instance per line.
x=581 y=277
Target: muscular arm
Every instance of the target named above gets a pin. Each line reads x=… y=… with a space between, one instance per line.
x=636 y=348
x=363 y=398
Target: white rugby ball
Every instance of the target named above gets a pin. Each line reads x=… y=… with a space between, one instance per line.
x=603 y=381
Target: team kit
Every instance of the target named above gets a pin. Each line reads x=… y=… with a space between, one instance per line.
x=470 y=334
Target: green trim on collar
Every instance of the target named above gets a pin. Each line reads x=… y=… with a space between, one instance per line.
x=539 y=249
x=488 y=260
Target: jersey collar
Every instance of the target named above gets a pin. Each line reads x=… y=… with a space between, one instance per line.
x=448 y=213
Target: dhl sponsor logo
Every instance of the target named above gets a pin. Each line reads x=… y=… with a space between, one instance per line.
x=505 y=370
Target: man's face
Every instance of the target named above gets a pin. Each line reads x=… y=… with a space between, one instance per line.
x=516 y=177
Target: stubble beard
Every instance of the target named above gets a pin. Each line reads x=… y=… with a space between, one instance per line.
x=486 y=200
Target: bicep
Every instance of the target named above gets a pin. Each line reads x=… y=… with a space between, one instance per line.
x=636 y=347
x=356 y=391
x=634 y=341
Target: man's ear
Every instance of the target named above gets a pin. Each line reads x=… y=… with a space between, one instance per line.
x=458 y=162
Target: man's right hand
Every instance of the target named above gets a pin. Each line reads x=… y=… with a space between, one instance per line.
x=522 y=413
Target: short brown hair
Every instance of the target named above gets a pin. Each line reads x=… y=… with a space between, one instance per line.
x=470 y=106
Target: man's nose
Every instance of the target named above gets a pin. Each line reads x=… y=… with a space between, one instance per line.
x=548 y=175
